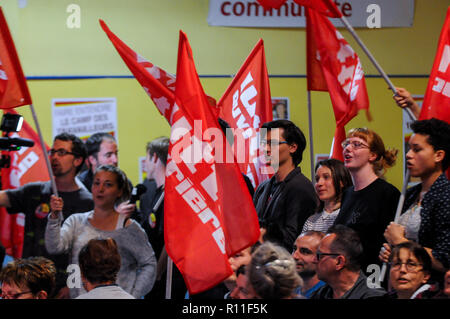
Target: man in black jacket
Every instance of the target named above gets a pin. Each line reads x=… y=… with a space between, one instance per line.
x=285 y=201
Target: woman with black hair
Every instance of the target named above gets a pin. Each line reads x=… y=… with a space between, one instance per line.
x=331 y=179
x=426 y=211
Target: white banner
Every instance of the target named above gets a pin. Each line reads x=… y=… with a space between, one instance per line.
x=84 y=116
x=360 y=13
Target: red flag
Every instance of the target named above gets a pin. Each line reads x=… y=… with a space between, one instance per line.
x=342 y=71
x=26 y=165
x=325 y=7
x=209 y=214
x=246 y=105
x=13 y=86
x=437 y=97
x=159 y=84
x=315 y=79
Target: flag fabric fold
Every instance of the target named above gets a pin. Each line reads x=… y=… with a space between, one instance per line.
x=246 y=105
x=157 y=83
x=13 y=86
x=436 y=102
x=26 y=165
x=341 y=73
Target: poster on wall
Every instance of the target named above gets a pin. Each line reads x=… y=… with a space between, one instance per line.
x=84 y=116
x=320 y=157
x=142 y=172
x=280 y=108
x=359 y=13
x=407 y=132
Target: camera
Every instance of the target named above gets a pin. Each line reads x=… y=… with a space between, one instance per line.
x=11 y=123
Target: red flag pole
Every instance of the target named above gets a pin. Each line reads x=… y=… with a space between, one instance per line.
x=47 y=160
x=374 y=61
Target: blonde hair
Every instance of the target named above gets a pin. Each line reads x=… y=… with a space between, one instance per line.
x=385 y=157
x=272 y=272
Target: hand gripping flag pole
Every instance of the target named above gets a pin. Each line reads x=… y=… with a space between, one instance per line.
x=44 y=151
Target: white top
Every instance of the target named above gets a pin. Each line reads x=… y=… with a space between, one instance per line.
x=106 y=292
x=138 y=262
x=320 y=221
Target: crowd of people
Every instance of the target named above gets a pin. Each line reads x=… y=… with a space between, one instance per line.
x=318 y=240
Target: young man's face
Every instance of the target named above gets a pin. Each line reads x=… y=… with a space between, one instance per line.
x=305 y=248
x=107 y=155
x=63 y=164
x=276 y=150
x=149 y=165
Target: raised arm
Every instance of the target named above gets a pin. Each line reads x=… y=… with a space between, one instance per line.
x=58 y=239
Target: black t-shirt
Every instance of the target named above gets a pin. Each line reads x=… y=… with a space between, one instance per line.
x=33 y=200
x=369 y=211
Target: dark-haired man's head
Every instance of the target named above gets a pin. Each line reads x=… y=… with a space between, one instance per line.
x=283 y=143
x=339 y=250
x=67 y=154
x=102 y=150
x=100 y=261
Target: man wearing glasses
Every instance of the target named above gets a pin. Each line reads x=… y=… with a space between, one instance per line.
x=286 y=200
x=338 y=260
x=66 y=158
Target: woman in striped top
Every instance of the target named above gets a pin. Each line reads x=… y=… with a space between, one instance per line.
x=332 y=177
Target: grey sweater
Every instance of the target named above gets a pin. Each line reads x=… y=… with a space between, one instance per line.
x=138 y=267
x=106 y=292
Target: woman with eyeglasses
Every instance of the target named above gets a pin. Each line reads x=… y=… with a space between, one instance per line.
x=138 y=262
x=332 y=178
x=370 y=204
x=410 y=268
x=426 y=210
x=28 y=278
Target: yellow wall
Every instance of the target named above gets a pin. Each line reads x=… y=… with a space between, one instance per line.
x=48 y=48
